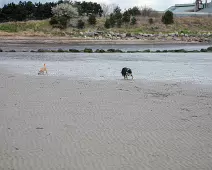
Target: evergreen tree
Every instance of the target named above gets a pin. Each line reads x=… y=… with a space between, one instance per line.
x=167 y=18
x=107 y=23
x=92 y=20
x=133 y=21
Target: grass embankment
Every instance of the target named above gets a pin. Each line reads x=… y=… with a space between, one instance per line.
x=187 y=25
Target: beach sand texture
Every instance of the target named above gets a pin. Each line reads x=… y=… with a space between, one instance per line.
x=53 y=123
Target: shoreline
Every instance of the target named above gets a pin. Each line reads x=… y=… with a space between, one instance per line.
x=68 y=40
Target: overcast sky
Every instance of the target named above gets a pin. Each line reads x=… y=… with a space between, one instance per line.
x=155 y=4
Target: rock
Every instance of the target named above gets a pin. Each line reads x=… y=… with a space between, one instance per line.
x=90 y=34
x=12 y=51
x=74 y=51
x=128 y=35
x=209 y=49
x=88 y=50
x=100 y=32
x=60 y=50
x=138 y=37
x=203 y=50
x=146 y=51
x=171 y=34
x=119 y=51
x=111 y=33
x=96 y=34
x=114 y=50
x=42 y=50
x=123 y=35
x=100 y=51
x=117 y=35
x=133 y=51
x=160 y=34
x=180 y=51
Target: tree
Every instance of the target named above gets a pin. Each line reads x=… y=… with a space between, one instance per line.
x=65 y=10
x=80 y=24
x=26 y=10
x=62 y=13
x=146 y=12
x=92 y=20
x=167 y=18
x=134 y=11
x=59 y=22
x=107 y=8
x=119 y=23
x=150 y=21
x=107 y=23
x=89 y=8
x=133 y=21
x=112 y=20
x=126 y=17
x=118 y=16
x=117 y=13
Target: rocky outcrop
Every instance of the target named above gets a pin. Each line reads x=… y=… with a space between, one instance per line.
x=174 y=36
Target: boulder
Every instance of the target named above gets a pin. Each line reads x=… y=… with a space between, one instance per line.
x=87 y=50
x=209 y=49
x=42 y=50
x=12 y=51
x=74 y=51
x=100 y=51
x=60 y=50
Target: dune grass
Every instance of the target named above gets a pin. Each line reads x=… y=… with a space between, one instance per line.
x=187 y=25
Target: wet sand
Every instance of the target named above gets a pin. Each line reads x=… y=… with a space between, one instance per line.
x=49 y=122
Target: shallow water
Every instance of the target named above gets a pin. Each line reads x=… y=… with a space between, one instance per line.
x=194 y=67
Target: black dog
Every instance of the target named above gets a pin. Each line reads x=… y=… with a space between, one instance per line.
x=126 y=72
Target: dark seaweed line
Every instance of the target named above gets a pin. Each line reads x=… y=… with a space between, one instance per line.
x=88 y=50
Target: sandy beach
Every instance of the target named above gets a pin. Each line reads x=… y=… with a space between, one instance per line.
x=49 y=122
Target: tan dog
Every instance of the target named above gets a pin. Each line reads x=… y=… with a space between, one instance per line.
x=42 y=70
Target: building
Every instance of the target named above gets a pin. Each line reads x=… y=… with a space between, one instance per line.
x=198 y=8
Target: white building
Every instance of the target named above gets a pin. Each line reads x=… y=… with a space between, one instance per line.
x=198 y=8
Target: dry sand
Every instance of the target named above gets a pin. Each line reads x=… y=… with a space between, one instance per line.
x=59 y=123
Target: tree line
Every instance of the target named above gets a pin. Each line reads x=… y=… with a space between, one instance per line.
x=27 y=10
x=64 y=11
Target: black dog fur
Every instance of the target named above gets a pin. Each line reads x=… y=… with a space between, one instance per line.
x=126 y=72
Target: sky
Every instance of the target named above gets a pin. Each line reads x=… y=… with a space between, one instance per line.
x=124 y=4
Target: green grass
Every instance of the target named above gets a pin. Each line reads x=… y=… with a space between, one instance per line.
x=42 y=27
x=8 y=27
x=13 y=27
